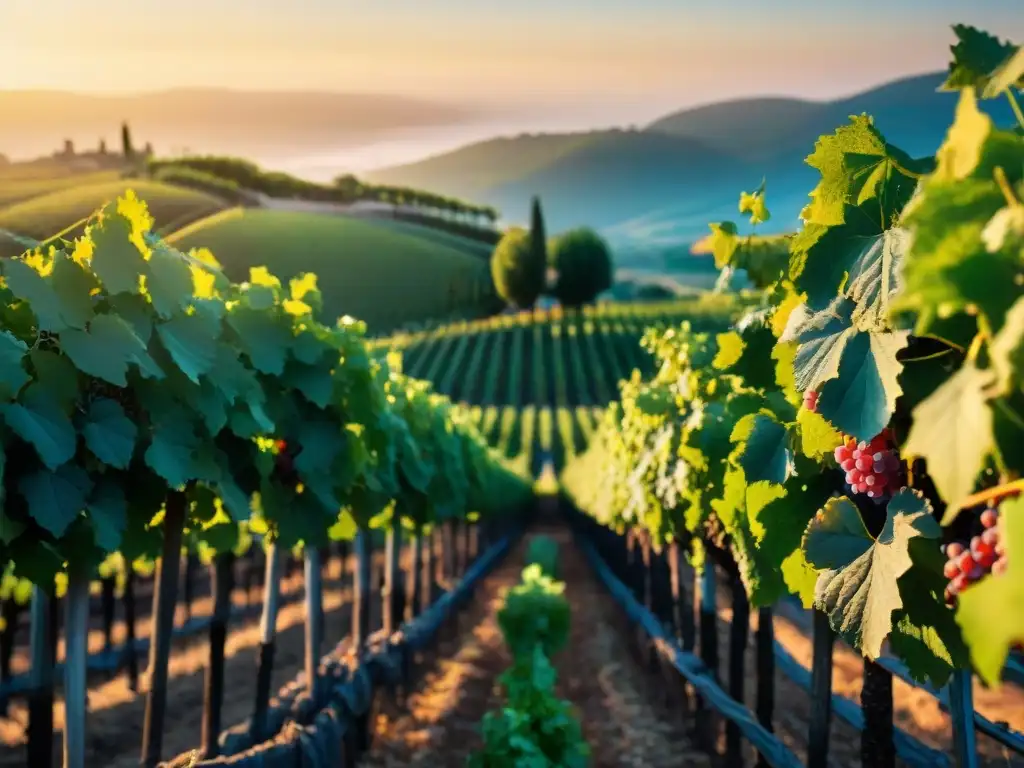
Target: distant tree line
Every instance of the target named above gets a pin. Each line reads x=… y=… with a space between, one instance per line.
x=345 y=189
x=523 y=259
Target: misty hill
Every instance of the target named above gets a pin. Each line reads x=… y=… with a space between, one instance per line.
x=209 y=121
x=660 y=186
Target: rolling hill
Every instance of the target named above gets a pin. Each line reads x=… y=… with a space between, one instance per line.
x=45 y=215
x=377 y=273
x=658 y=187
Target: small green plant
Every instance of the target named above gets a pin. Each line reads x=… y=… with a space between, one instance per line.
x=543 y=551
x=535 y=729
x=536 y=612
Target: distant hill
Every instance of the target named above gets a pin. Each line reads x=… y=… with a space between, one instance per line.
x=657 y=188
x=209 y=121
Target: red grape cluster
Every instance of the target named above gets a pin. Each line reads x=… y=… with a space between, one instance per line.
x=967 y=564
x=811 y=400
x=871 y=468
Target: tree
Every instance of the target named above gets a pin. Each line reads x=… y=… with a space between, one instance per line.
x=518 y=276
x=538 y=239
x=126 y=140
x=584 y=266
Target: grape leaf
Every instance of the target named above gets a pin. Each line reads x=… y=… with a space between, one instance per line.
x=1007 y=348
x=171 y=452
x=39 y=421
x=818 y=438
x=191 y=341
x=264 y=338
x=953 y=432
x=56 y=498
x=857 y=580
x=109 y=434
x=977 y=55
x=989 y=612
x=73 y=287
x=26 y=283
x=116 y=259
x=857 y=167
x=1007 y=76
x=108 y=513
x=861 y=400
x=106 y=349
x=321 y=442
x=765 y=452
x=169 y=281
x=13 y=375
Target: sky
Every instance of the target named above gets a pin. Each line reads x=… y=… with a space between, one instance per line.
x=656 y=53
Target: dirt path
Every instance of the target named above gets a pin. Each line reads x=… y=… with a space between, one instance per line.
x=624 y=718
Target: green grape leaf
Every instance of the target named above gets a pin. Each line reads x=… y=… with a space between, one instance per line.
x=953 y=431
x=56 y=498
x=989 y=612
x=857 y=580
x=106 y=349
x=108 y=513
x=169 y=281
x=171 y=452
x=818 y=438
x=109 y=434
x=26 y=283
x=321 y=443
x=13 y=375
x=765 y=453
x=977 y=56
x=191 y=341
x=315 y=382
x=116 y=259
x=730 y=350
x=39 y=421
x=263 y=337
x=73 y=287
x=1007 y=348
x=1007 y=76
x=861 y=400
x=858 y=167
x=724 y=242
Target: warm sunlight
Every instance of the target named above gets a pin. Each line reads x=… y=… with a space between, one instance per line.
x=503 y=383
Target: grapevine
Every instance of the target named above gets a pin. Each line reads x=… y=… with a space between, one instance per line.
x=130 y=371
x=838 y=436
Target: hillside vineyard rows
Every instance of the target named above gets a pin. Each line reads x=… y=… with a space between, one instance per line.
x=536 y=382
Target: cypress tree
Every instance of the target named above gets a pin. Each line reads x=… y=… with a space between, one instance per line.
x=538 y=246
x=126 y=140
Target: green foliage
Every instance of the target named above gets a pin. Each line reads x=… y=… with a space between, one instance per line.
x=534 y=729
x=898 y=314
x=584 y=266
x=535 y=612
x=126 y=141
x=543 y=552
x=131 y=372
x=517 y=272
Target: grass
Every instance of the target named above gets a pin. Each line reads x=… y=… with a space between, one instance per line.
x=456 y=242
x=48 y=214
x=366 y=270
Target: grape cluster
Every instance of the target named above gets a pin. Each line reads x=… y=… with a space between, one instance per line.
x=985 y=553
x=811 y=400
x=284 y=463
x=871 y=468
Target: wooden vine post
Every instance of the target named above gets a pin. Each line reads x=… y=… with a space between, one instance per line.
x=821 y=691
x=164 y=600
x=268 y=633
x=76 y=653
x=40 y=694
x=223 y=577
x=314 y=619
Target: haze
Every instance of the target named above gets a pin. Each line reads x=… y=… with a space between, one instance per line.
x=635 y=58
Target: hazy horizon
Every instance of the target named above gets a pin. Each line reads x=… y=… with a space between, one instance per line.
x=655 y=55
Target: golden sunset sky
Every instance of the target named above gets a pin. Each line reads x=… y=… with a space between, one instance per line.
x=522 y=51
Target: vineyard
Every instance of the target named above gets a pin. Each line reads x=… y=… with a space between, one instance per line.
x=535 y=383
x=822 y=475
